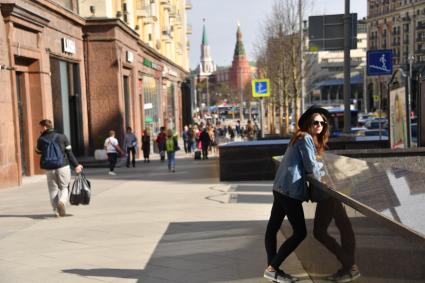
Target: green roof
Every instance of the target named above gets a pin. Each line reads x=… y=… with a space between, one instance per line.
x=239 y=48
x=204 y=37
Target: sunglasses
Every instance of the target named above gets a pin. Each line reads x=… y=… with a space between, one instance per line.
x=317 y=123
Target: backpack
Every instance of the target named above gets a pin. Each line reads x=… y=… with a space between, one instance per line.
x=52 y=156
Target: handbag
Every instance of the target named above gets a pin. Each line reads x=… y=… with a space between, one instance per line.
x=81 y=190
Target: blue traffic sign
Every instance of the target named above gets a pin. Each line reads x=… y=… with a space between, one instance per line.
x=261 y=88
x=379 y=62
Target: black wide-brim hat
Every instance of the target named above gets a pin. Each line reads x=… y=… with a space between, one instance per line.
x=310 y=111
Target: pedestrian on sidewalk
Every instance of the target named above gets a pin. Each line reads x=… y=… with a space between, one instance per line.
x=56 y=156
x=160 y=141
x=130 y=146
x=146 y=145
x=171 y=146
x=185 y=136
x=290 y=188
x=112 y=149
x=205 y=140
x=191 y=139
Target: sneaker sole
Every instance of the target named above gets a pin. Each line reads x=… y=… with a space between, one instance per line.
x=61 y=209
x=275 y=280
x=349 y=279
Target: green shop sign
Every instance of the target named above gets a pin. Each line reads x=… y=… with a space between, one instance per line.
x=148 y=119
x=151 y=64
x=147 y=63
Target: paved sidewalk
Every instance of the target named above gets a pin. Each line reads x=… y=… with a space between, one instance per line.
x=143 y=225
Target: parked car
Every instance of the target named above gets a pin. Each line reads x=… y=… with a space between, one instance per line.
x=362 y=118
x=375 y=132
x=373 y=123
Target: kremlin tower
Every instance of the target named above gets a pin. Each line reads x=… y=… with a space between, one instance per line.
x=240 y=72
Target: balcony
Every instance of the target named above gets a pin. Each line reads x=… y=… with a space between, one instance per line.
x=143 y=12
x=189 y=29
x=179 y=21
x=420 y=51
x=166 y=4
x=405 y=19
x=420 y=26
x=173 y=12
x=188 y=5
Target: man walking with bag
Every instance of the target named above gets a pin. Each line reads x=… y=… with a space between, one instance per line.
x=56 y=156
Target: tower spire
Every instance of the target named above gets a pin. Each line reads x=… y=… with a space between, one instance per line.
x=206 y=66
x=204 y=35
x=239 y=48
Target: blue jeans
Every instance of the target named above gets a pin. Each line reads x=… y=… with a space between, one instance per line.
x=171 y=156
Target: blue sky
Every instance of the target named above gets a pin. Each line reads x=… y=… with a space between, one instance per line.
x=222 y=17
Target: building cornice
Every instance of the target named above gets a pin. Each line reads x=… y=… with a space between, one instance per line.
x=55 y=7
x=112 y=23
x=9 y=10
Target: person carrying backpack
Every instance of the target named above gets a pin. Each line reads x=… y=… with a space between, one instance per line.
x=56 y=157
x=171 y=146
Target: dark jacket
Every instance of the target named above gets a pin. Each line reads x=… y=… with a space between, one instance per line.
x=64 y=144
x=205 y=139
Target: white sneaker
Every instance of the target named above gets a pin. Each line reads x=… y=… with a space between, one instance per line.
x=112 y=173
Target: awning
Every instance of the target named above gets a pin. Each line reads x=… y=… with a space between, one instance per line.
x=354 y=80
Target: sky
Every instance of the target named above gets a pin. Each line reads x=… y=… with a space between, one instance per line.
x=222 y=17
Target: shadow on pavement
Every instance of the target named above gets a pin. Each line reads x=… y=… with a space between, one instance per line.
x=200 y=252
x=382 y=255
x=31 y=216
x=194 y=171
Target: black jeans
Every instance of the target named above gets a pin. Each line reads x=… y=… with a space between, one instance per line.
x=133 y=155
x=186 y=147
x=112 y=158
x=327 y=210
x=292 y=208
x=205 y=152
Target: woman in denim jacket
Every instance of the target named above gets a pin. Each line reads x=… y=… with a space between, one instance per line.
x=290 y=188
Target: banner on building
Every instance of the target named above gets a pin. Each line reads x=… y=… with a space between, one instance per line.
x=398 y=118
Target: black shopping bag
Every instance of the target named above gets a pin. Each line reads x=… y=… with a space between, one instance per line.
x=81 y=190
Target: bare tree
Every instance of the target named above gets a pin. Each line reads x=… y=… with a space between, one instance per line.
x=278 y=54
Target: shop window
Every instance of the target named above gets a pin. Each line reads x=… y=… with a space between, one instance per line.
x=151 y=104
x=66 y=99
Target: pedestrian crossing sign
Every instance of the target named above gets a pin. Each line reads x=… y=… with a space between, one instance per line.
x=261 y=88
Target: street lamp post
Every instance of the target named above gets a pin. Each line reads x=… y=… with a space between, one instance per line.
x=347 y=78
x=208 y=96
x=409 y=100
x=241 y=96
x=302 y=94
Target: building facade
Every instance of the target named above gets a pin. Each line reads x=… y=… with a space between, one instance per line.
x=398 y=25
x=88 y=75
x=43 y=77
x=162 y=24
x=325 y=74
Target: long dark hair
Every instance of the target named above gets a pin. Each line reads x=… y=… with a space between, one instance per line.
x=320 y=140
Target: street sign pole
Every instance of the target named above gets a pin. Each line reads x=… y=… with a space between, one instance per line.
x=261 y=88
x=347 y=65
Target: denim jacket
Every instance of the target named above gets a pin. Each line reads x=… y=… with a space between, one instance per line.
x=298 y=161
